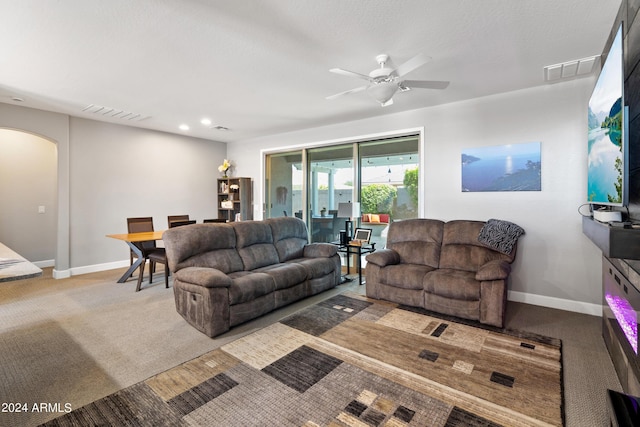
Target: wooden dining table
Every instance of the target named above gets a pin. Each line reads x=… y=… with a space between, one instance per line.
x=130 y=239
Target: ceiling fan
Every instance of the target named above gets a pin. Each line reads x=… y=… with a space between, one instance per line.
x=384 y=82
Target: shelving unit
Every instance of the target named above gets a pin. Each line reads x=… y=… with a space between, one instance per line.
x=234 y=198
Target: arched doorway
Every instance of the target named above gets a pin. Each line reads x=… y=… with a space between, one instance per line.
x=28 y=190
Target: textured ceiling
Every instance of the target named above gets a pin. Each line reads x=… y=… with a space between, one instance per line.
x=261 y=67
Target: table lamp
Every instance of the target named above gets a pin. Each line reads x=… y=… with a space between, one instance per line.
x=348 y=210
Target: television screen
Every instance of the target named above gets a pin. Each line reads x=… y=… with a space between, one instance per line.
x=607 y=171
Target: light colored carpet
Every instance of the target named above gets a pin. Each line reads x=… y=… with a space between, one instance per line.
x=79 y=339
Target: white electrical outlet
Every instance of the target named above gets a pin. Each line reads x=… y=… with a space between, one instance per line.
x=41 y=209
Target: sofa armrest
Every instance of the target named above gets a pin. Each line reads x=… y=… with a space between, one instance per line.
x=383 y=257
x=494 y=270
x=319 y=250
x=203 y=276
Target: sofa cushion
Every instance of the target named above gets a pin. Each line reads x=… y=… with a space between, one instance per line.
x=316 y=267
x=255 y=244
x=289 y=237
x=203 y=276
x=461 y=249
x=285 y=275
x=453 y=284
x=383 y=257
x=247 y=286
x=417 y=241
x=494 y=270
x=406 y=276
x=319 y=250
x=202 y=245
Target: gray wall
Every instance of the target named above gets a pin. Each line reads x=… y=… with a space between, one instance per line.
x=108 y=172
x=119 y=172
x=556 y=264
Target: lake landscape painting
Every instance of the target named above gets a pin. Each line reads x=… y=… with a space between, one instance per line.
x=512 y=167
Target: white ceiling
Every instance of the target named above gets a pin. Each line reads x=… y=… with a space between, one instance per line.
x=261 y=67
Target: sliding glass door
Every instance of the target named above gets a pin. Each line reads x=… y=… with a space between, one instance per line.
x=330 y=172
x=374 y=182
x=388 y=184
x=283 y=185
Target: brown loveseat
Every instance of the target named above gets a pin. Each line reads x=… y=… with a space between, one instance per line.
x=446 y=267
x=226 y=274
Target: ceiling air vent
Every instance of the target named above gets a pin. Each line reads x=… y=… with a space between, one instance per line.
x=570 y=69
x=114 y=113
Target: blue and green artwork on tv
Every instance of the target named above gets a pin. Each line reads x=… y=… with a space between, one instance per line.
x=512 y=167
x=606 y=169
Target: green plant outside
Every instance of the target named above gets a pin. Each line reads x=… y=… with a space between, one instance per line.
x=378 y=198
x=411 y=184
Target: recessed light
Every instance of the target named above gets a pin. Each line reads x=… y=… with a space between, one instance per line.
x=222 y=128
x=184 y=127
x=17 y=99
x=206 y=121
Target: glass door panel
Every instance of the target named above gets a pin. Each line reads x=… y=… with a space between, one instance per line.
x=283 y=184
x=388 y=184
x=331 y=177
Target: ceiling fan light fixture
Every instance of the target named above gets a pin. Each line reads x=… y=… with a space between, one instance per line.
x=382 y=92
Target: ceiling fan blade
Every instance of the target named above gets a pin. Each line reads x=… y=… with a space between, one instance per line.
x=349 y=73
x=425 y=84
x=415 y=62
x=347 y=92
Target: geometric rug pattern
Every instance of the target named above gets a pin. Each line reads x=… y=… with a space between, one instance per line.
x=351 y=361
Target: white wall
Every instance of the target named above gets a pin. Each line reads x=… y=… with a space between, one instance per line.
x=556 y=264
x=28 y=176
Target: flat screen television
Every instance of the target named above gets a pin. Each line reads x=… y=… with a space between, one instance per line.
x=607 y=170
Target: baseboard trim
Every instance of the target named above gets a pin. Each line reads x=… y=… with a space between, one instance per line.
x=99 y=267
x=559 y=303
x=61 y=274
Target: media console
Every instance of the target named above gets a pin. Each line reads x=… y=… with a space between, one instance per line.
x=620 y=286
x=614 y=242
x=620 y=296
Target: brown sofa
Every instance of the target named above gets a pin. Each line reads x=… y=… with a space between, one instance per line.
x=446 y=267
x=227 y=274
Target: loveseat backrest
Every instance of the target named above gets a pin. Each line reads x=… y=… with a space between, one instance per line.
x=254 y=242
x=417 y=241
x=202 y=245
x=461 y=249
x=289 y=237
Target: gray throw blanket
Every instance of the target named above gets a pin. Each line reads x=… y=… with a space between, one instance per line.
x=500 y=235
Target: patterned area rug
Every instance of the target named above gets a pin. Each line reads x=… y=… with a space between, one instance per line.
x=351 y=361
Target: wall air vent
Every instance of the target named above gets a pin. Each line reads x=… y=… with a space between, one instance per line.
x=570 y=69
x=114 y=113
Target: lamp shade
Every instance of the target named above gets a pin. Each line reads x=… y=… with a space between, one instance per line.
x=348 y=210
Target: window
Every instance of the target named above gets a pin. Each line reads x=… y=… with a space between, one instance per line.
x=379 y=177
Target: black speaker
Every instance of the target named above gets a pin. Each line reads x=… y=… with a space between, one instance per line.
x=344 y=239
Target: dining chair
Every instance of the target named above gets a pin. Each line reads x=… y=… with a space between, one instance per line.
x=149 y=250
x=174 y=218
x=173 y=224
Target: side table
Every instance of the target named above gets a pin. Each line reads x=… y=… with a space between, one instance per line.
x=359 y=250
